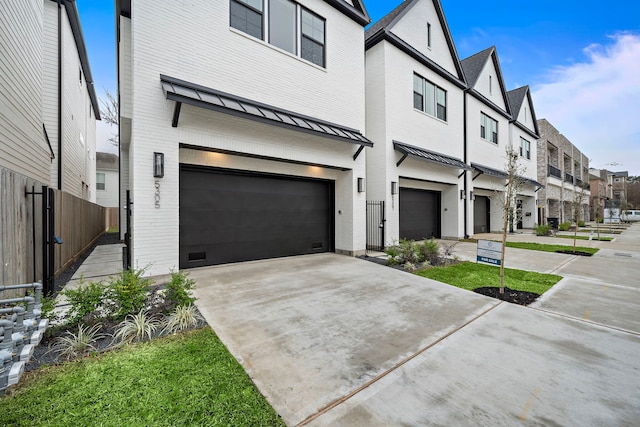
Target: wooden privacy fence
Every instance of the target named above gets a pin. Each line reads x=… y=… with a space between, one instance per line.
x=20 y=252
x=79 y=223
x=112 y=217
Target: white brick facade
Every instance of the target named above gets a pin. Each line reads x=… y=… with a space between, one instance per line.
x=196 y=44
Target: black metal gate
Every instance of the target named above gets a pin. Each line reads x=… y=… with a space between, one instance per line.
x=375 y=225
x=48 y=238
x=126 y=249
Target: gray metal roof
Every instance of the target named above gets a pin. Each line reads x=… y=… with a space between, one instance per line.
x=473 y=65
x=429 y=156
x=489 y=171
x=211 y=99
x=516 y=99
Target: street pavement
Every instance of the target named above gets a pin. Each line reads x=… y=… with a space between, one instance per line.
x=334 y=340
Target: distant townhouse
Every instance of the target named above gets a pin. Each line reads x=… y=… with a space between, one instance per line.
x=241 y=130
x=598 y=194
x=439 y=156
x=492 y=125
x=107 y=180
x=48 y=105
x=415 y=117
x=564 y=171
x=615 y=192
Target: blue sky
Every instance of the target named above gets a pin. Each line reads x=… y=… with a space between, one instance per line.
x=581 y=59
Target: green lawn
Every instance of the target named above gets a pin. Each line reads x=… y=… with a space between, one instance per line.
x=186 y=379
x=595 y=237
x=549 y=248
x=469 y=275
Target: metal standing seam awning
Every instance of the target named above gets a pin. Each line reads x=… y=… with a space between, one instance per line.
x=211 y=99
x=503 y=175
x=428 y=156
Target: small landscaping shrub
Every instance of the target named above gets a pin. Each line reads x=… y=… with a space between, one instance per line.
x=429 y=251
x=178 y=290
x=72 y=346
x=600 y=220
x=581 y=223
x=183 y=317
x=127 y=292
x=136 y=327
x=564 y=226
x=84 y=300
x=403 y=252
x=543 y=230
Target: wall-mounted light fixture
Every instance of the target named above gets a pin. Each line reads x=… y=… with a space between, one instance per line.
x=158 y=165
x=361 y=186
x=462 y=195
x=394 y=187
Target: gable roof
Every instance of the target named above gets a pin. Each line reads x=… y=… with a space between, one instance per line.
x=516 y=98
x=381 y=30
x=473 y=66
x=357 y=12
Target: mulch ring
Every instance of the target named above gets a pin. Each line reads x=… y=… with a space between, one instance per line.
x=571 y=252
x=509 y=295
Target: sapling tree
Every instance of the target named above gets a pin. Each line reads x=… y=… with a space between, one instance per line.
x=110 y=113
x=507 y=198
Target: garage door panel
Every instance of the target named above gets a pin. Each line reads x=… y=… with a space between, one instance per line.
x=232 y=217
x=419 y=214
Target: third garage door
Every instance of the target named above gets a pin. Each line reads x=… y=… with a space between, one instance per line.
x=419 y=214
x=234 y=216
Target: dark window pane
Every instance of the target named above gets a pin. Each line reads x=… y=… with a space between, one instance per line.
x=442 y=112
x=312 y=51
x=245 y=19
x=483 y=132
x=282 y=25
x=418 y=101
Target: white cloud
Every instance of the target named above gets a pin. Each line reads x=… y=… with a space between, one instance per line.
x=596 y=103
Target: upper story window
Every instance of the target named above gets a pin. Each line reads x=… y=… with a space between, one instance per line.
x=100 y=181
x=284 y=24
x=525 y=148
x=616 y=180
x=428 y=34
x=429 y=98
x=488 y=128
x=80 y=76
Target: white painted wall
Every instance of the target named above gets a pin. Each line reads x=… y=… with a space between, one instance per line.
x=23 y=147
x=78 y=119
x=412 y=28
x=109 y=196
x=488 y=85
x=196 y=44
x=391 y=116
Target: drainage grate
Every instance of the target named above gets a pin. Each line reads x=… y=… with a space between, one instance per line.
x=621 y=254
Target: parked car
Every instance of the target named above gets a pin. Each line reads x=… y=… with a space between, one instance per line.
x=630 y=216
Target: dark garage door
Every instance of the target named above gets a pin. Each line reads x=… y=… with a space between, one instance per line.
x=419 y=214
x=230 y=217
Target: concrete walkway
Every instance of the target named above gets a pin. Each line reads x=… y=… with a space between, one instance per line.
x=333 y=340
x=103 y=262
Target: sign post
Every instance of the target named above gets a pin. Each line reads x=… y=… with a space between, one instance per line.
x=489 y=252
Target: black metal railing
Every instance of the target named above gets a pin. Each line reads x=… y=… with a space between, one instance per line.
x=375 y=225
x=579 y=183
x=554 y=171
x=568 y=178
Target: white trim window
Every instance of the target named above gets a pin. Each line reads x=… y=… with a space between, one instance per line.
x=429 y=98
x=488 y=128
x=525 y=148
x=100 y=181
x=284 y=24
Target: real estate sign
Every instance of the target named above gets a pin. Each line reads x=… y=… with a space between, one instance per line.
x=489 y=252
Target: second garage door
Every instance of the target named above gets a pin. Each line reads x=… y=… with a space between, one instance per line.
x=419 y=214
x=234 y=216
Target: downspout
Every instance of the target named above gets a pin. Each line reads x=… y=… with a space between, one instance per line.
x=59 y=94
x=464 y=130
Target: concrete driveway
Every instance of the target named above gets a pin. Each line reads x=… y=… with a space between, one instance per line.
x=333 y=340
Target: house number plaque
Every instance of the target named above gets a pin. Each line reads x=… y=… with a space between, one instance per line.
x=157 y=194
